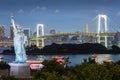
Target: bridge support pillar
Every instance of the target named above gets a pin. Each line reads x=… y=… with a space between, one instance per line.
x=38 y=43
x=102 y=39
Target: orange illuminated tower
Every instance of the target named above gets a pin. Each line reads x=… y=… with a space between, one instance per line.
x=87 y=28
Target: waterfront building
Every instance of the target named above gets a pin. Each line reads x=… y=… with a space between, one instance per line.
x=53 y=31
x=89 y=39
x=4 y=41
x=11 y=32
x=116 y=40
x=27 y=32
x=2 y=32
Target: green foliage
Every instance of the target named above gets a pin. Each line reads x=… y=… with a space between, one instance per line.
x=118 y=62
x=7 y=78
x=85 y=71
x=52 y=70
x=48 y=76
x=90 y=71
x=3 y=65
x=51 y=66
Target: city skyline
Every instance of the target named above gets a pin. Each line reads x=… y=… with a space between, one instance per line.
x=61 y=15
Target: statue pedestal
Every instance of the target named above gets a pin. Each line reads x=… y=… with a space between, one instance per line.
x=20 y=70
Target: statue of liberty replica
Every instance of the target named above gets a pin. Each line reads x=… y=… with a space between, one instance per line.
x=19 y=68
x=19 y=43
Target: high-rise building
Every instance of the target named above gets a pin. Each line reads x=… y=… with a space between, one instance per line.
x=11 y=32
x=27 y=32
x=2 y=32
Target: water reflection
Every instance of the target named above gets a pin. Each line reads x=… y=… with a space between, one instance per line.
x=115 y=57
x=102 y=57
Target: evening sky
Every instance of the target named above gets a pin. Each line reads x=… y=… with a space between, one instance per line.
x=61 y=15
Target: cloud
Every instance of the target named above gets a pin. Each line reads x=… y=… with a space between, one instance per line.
x=38 y=8
x=43 y=8
x=96 y=10
x=56 y=11
x=21 y=11
x=118 y=14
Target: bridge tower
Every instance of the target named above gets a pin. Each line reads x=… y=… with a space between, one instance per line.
x=102 y=39
x=40 y=32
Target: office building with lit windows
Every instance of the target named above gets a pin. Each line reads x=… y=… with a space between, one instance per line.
x=2 y=32
x=27 y=32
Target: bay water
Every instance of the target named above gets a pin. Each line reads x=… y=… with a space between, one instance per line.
x=74 y=59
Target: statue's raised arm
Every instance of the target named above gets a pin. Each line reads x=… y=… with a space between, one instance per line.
x=13 y=24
